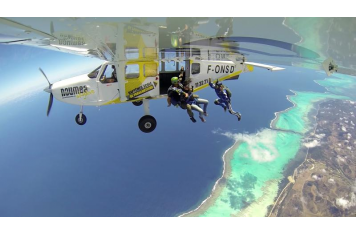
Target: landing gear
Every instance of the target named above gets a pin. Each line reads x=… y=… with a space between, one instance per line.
x=147 y=123
x=137 y=103
x=81 y=119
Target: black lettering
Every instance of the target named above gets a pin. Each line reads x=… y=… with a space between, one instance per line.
x=232 y=69
x=85 y=89
x=70 y=91
x=222 y=69
x=217 y=69
x=76 y=90
x=227 y=69
x=208 y=68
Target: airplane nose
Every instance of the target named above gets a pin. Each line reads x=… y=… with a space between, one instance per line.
x=48 y=89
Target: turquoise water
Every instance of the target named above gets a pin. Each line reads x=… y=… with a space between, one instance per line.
x=256 y=166
x=258 y=162
x=340 y=84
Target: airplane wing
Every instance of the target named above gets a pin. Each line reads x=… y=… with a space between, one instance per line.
x=268 y=67
x=88 y=37
x=315 y=43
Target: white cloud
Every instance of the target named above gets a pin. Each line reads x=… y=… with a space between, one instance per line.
x=320 y=136
x=312 y=144
x=344 y=203
x=261 y=145
x=315 y=177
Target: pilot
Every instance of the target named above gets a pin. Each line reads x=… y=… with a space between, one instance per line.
x=113 y=75
x=224 y=99
x=178 y=97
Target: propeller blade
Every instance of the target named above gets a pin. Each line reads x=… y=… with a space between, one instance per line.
x=50 y=103
x=50 y=85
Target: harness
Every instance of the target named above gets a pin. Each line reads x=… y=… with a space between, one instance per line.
x=222 y=96
x=189 y=100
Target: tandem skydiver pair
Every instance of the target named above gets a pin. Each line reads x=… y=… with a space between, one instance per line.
x=181 y=95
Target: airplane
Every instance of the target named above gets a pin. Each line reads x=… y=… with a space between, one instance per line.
x=139 y=61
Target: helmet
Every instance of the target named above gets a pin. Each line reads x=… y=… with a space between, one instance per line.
x=174 y=80
x=218 y=83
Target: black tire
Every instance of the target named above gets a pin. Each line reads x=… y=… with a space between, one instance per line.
x=81 y=122
x=137 y=103
x=147 y=124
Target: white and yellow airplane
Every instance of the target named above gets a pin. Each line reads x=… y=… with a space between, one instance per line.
x=136 y=67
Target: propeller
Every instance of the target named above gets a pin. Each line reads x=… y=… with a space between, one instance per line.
x=48 y=90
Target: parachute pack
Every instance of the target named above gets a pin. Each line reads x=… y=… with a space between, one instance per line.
x=228 y=92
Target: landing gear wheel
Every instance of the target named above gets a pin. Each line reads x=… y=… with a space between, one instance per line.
x=138 y=103
x=81 y=121
x=147 y=123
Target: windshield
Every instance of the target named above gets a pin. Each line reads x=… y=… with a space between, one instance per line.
x=94 y=73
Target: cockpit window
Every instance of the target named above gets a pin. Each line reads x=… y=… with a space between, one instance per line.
x=132 y=71
x=109 y=74
x=195 y=68
x=94 y=73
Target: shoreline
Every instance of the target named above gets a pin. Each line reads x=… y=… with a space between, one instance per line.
x=273 y=122
x=227 y=157
x=219 y=184
x=284 y=183
x=304 y=151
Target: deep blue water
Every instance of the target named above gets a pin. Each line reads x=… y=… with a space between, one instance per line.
x=50 y=166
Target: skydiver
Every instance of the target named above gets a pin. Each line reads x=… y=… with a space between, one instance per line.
x=178 y=97
x=224 y=100
x=182 y=75
x=194 y=101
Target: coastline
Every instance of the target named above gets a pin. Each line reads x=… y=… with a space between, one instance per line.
x=218 y=186
x=221 y=182
x=293 y=166
x=273 y=122
x=274 y=190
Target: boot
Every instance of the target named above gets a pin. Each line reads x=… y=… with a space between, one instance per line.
x=238 y=116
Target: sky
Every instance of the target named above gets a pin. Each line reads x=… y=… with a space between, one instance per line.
x=19 y=69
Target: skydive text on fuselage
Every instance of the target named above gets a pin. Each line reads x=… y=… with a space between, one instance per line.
x=221 y=69
x=140 y=90
x=72 y=91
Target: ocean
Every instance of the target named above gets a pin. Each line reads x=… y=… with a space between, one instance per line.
x=50 y=166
